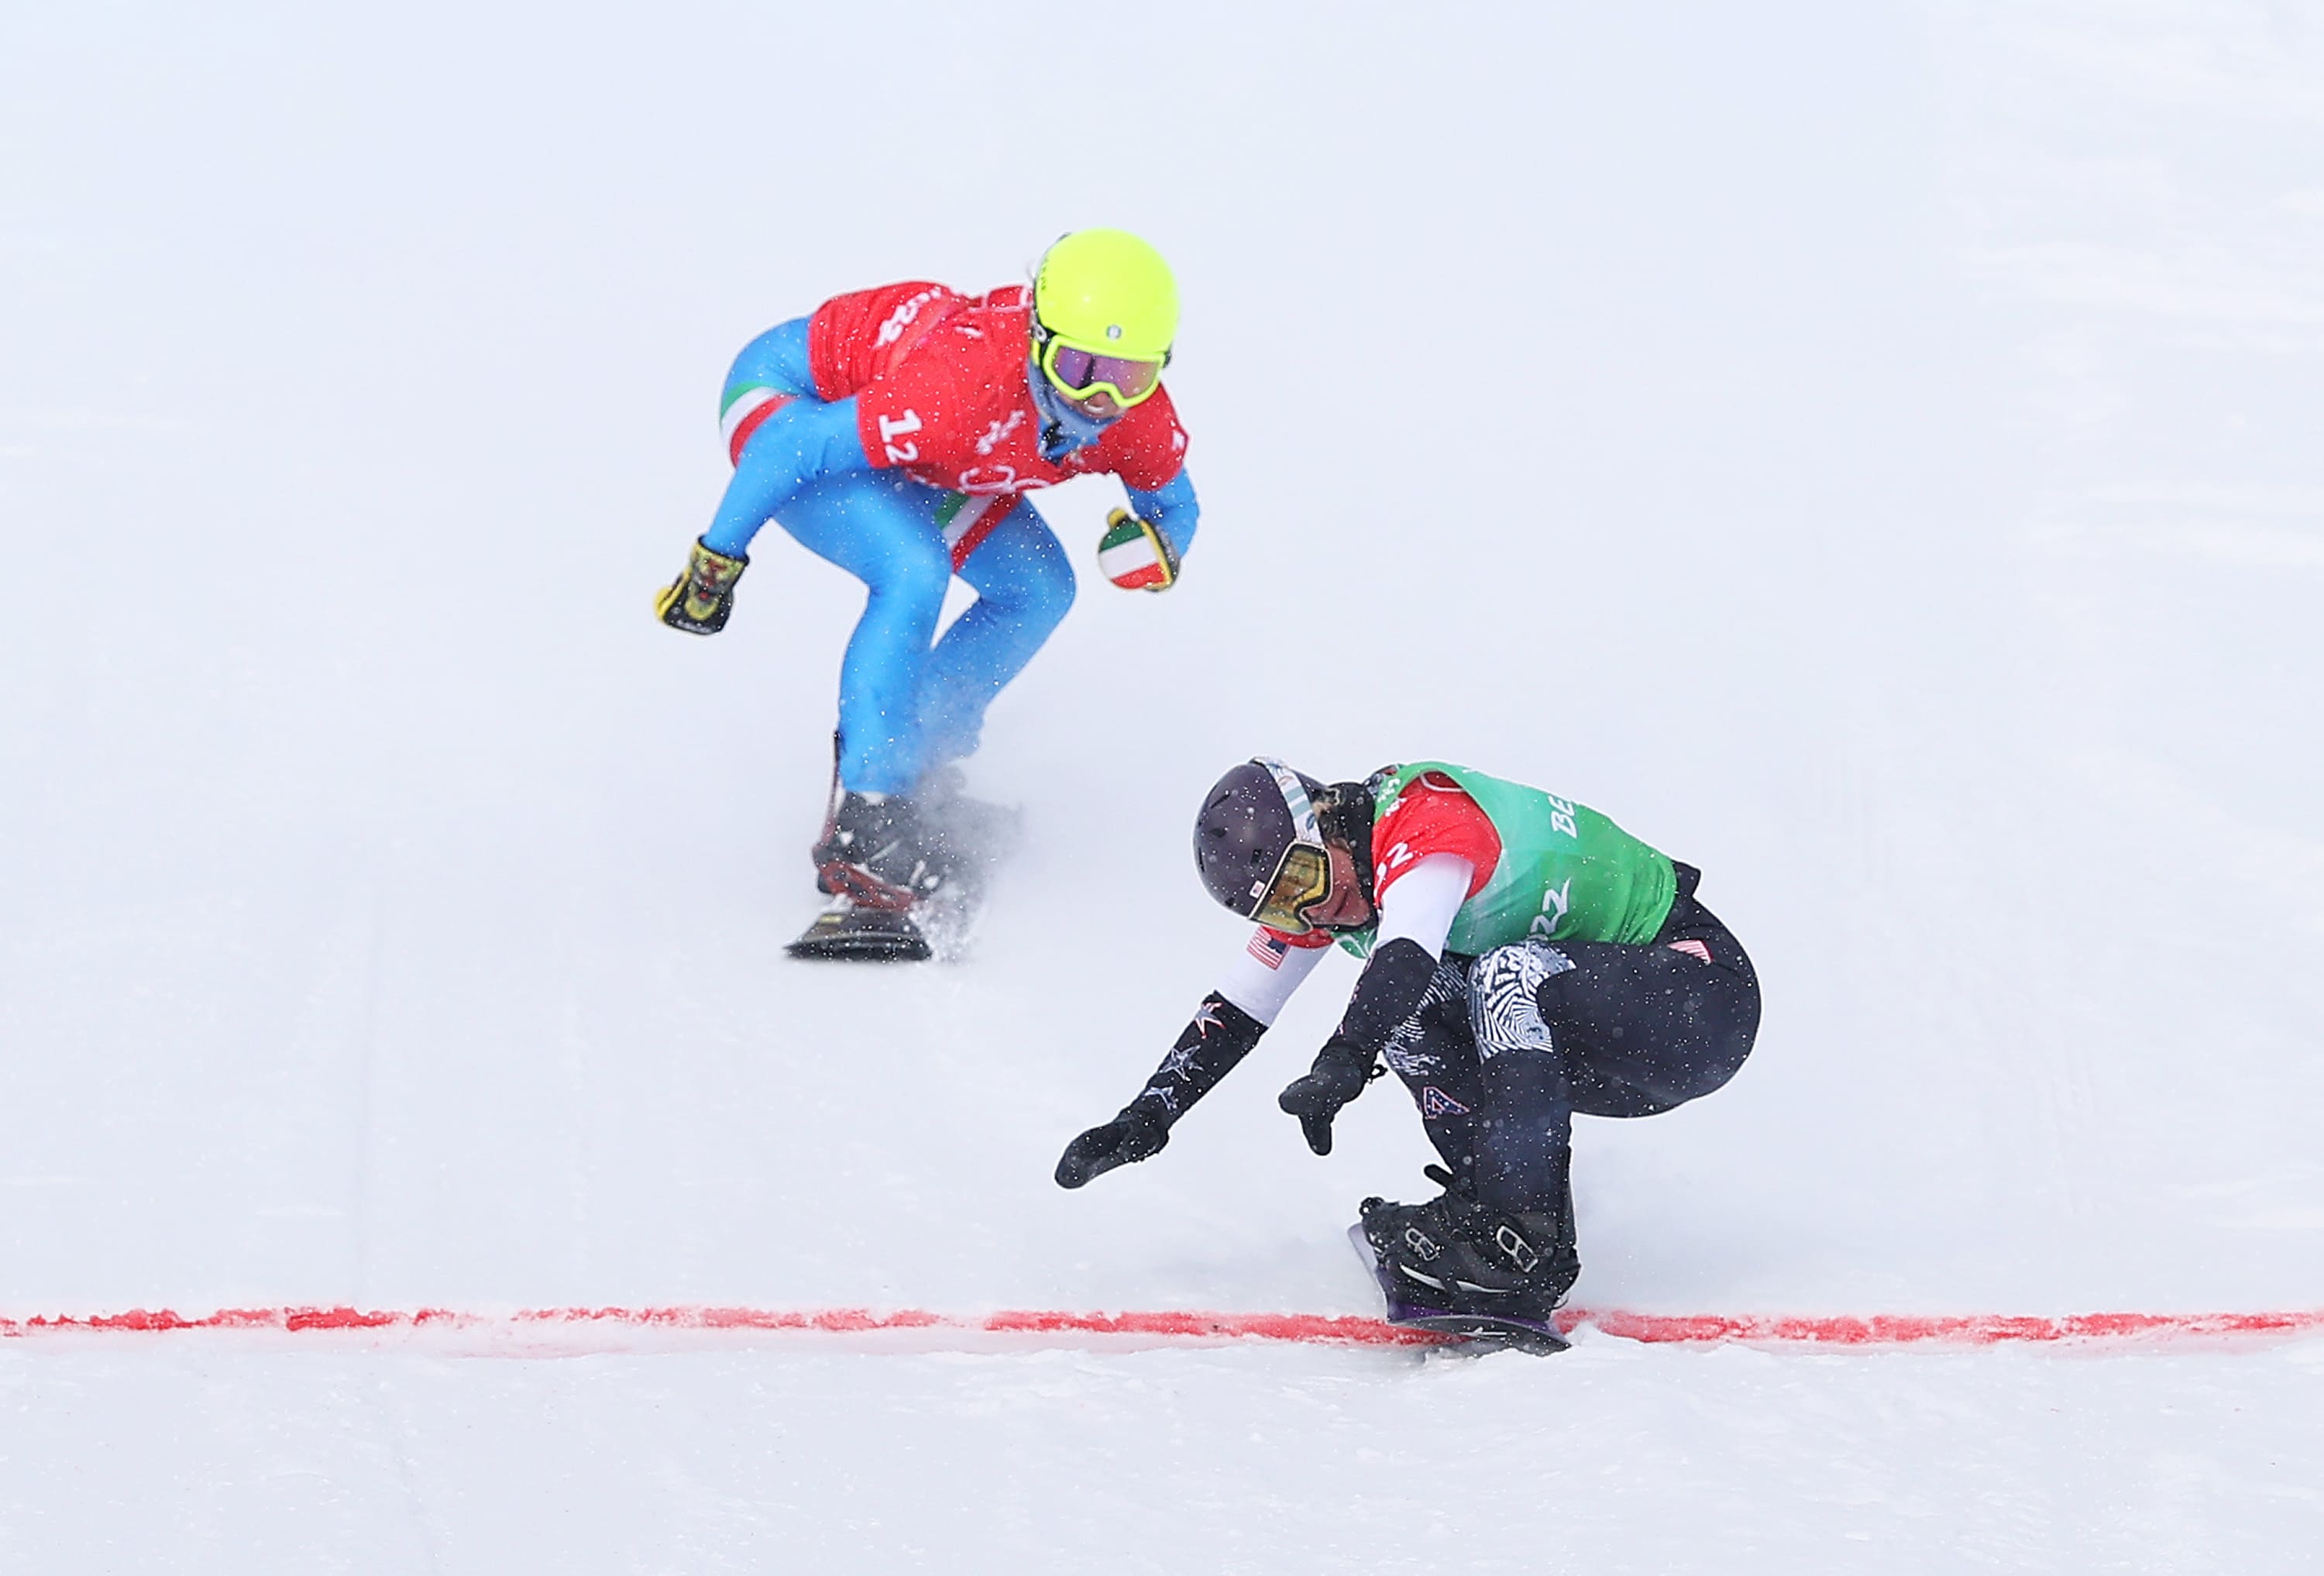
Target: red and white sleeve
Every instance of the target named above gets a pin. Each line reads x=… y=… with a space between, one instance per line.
x=1433 y=815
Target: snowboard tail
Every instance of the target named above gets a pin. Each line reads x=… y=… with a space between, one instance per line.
x=849 y=932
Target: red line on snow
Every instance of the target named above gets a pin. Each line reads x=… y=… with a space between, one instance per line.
x=1176 y=1325
x=1963 y=1329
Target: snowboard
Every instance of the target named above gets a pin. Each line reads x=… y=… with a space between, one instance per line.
x=847 y=931
x=975 y=837
x=1478 y=1332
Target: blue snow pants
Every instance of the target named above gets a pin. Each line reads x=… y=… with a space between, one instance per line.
x=907 y=701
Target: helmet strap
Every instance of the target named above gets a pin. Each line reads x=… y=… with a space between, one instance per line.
x=1346 y=812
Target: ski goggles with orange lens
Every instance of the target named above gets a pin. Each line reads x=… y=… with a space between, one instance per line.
x=1129 y=379
x=1302 y=880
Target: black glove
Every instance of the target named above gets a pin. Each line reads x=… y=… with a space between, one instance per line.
x=1139 y=1131
x=1341 y=1069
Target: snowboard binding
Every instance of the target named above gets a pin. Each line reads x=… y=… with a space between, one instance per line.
x=1490 y=1278
x=1480 y=1332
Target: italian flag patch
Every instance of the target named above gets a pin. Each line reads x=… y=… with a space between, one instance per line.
x=1134 y=555
x=746 y=410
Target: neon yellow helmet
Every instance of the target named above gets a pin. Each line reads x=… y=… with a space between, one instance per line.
x=1108 y=295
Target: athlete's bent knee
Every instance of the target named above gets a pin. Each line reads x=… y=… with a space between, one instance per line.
x=914 y=576
x=1049 y=591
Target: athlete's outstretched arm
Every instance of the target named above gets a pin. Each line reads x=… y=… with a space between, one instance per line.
x=803 y=442
x=1171 y=508
x=1222 y=1033
x=1416 y=918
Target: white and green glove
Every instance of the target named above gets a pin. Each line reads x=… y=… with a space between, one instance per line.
x=1135 y=555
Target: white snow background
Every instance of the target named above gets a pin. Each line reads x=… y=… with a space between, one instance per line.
x=1870 y=451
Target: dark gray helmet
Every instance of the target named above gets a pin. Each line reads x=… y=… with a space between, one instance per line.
x=1252 y=822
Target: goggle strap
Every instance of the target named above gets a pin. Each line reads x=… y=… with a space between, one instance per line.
x=1305 y=825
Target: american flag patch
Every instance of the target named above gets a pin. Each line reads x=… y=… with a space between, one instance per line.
x=1267 y=949
x=1692 y=948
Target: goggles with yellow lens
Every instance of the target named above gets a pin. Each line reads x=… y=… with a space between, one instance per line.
x=1303 y=875
x=1080 y=371
x=1301 y=881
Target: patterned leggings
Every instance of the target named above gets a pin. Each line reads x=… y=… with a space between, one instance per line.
x=1507 y=1046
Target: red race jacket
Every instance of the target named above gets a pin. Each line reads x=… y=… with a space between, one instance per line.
x=1433 y=815
x=940 y=385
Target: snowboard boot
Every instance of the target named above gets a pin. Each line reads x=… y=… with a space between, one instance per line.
x=1457 y=1256
x=875 y=851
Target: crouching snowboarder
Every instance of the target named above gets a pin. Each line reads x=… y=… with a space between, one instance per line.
x=895 y=432
x=1526 y=959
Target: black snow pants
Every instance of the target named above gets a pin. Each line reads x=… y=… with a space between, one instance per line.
x=1507 y=1046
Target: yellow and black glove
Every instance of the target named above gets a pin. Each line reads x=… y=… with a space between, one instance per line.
x=699 y=601
x=1135 y=555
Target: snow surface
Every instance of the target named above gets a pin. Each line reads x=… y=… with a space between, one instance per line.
x=1870 y=451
